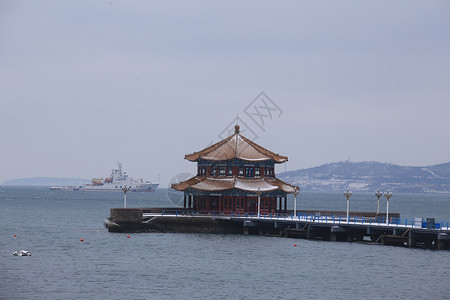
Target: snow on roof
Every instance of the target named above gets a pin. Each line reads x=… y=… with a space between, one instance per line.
x=254 y=185
x=236 y=146
x=213 y=184
x=264 y=184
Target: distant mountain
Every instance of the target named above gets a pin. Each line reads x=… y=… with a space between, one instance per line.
x=371 y=176
x=47 y=181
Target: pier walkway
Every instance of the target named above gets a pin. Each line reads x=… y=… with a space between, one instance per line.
x=316 y=218
x=364 y=227
x=413 y=233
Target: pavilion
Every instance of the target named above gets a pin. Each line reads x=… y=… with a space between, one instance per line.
x=232 y=175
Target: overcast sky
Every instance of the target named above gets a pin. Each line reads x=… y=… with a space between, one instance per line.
x=84 y=84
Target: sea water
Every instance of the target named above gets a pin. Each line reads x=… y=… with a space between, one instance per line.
x=105 y=265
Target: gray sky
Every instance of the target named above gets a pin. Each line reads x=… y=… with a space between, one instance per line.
x=84 y=84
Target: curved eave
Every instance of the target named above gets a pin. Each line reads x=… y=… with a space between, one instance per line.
x=278 y=161
x=285 y=187
x=271 y=155
x=231 y=158
x=181 y=186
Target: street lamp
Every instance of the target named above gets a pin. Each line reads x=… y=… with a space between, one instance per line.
x=258 y=193
x=388 y=195
x=125 y=189
x=378 y=194
x=347 y=194
x=296 y=190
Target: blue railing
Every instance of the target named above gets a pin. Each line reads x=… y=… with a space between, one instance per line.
x=315 y=217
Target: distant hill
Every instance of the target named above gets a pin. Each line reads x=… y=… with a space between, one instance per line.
x=371 y=176
x=47 y=181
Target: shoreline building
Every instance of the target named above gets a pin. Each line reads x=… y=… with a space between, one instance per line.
x=235 y=175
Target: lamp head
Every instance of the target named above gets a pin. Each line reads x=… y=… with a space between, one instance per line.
x=388 y=194
x=347 y=193
x=378 y=194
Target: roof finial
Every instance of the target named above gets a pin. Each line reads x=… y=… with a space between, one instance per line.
x=236 y=127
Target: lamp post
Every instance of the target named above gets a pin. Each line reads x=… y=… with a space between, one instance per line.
x=258 y=193
x=347 y=194
x=296 y=190
x=125 y=189
x=378 y=194
x=388 y=195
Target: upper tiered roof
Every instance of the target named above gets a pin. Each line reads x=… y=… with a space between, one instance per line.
x=236 y=146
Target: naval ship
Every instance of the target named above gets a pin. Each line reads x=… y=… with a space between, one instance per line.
x=115 y=182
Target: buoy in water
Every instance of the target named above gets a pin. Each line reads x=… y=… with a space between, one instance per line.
x=82 y=240
x=14 y=235
x=128 y=236
x=295 y=245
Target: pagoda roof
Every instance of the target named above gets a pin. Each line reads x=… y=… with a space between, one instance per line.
x=216 y=184
x=236 y=146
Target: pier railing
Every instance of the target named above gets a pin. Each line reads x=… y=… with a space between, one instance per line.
x=311 y=217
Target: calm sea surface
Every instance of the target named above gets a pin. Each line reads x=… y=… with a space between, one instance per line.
x=106 y=265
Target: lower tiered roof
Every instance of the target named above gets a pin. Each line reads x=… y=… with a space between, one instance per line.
x=214 y=184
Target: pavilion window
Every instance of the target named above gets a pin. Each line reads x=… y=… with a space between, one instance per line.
x=269 y=172
x=213 y=171
x=230 y=171
x=249 y=172
x=257 y=172
x=241 y=171
x=201 y=171
x=222 y=170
